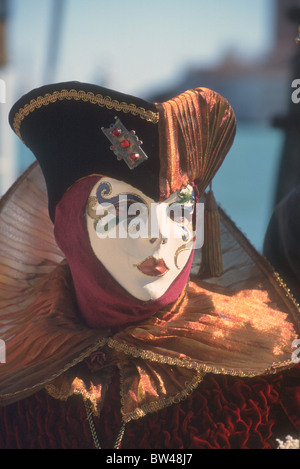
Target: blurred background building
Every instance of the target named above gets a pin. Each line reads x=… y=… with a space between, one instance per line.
x=244 y=50
x=257 y=88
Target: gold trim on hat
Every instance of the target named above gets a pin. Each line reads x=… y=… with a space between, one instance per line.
x=83 y=96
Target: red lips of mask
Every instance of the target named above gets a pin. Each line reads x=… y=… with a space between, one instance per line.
x=102 y=302
x=153 y=267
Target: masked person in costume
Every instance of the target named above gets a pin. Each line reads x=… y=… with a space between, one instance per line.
x=281 y=245
x=135 y=341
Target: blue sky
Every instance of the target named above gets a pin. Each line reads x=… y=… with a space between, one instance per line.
x=134 y=45
x=142 y=47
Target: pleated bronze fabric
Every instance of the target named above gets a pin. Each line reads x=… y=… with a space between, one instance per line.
x=36 y=303
x=196 y=131
x=242 y=323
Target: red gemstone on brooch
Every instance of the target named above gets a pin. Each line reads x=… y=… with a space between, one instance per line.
x=134 y=156
x=116 y=132
x=125 y=144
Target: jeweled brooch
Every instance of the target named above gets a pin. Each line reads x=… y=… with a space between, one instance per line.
x=125 y=144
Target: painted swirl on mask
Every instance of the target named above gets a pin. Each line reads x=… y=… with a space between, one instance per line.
x=104 y=190
x=182 y=248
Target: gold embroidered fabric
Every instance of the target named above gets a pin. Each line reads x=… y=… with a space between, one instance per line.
x=242 y=323
x=98 y=99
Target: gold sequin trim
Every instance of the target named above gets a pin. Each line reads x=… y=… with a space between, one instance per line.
x=102 y=101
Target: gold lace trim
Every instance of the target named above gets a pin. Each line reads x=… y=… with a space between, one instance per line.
x=287 y=293
x=190 y=364
x=142 y=411
x=103 y=101
x=163 y=402
x=200 y=371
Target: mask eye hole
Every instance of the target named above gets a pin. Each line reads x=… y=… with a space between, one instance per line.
x=181 y=214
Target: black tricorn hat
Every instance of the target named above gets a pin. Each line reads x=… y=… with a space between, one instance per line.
x=77 y=129
x=62 y=125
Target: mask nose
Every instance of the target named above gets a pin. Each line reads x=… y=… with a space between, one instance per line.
x=162 y=240
x=159 y=224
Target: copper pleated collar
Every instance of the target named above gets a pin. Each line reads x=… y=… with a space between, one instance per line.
x=242 y=323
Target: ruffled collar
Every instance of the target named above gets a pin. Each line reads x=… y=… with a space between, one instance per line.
x=163 y=359
x=242 y=323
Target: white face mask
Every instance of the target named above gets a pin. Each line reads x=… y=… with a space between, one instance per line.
x=144 y=245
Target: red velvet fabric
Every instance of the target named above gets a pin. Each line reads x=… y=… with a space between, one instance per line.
x=102 y=302
x=223 y=413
